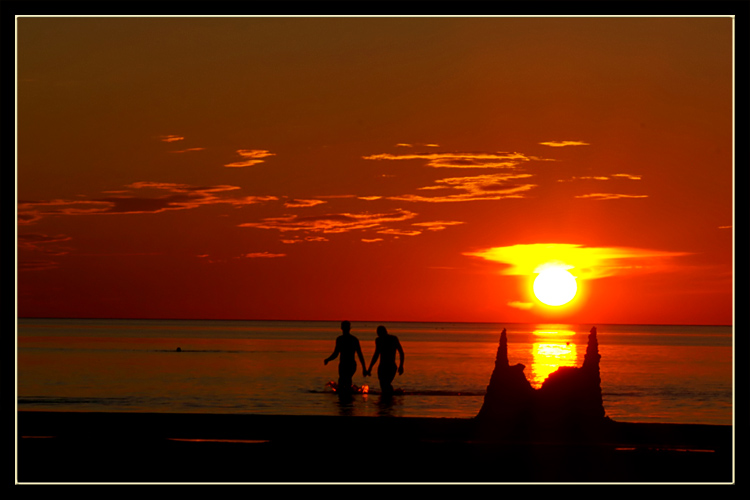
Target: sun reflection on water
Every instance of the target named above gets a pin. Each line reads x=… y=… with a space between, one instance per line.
x=551 y=352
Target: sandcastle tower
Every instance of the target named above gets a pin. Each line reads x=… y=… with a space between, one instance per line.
x=509 y=395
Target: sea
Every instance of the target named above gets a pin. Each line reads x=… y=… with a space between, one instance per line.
x=649 y=373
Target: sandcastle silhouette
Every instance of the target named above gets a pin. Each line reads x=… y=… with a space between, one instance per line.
x=569 y=400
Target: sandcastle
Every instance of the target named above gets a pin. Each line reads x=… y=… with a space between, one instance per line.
x=569 y=399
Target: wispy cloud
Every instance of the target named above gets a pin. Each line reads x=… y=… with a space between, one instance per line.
x=34 y=248
x=494 y=186
x=263 y=255
x=586 y=262
x=400 y=232
x=437 y=225
x=517 y=304
x=179 y=197
x=602 y=177
x=332 y=223
x=188 y=150
x=407 y=145
x=610 y=196
x=458 y=159
x=41 y=242
x=562 y=144
x=37 y=265
x=31 y=211
x=586 y=178
x=139 y=198
x=303 y=203
x=171 y=138
x=473 y=188
x=296 y=239
x=632 y=177
x=251 y=157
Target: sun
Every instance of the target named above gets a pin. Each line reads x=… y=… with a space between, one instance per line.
x=555 y=286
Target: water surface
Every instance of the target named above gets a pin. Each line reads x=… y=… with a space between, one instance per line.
x=671 y=374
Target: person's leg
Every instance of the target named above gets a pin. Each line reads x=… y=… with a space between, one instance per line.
x=386 y=374
x=346 y=374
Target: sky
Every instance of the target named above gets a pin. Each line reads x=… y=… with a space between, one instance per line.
x=375 y=168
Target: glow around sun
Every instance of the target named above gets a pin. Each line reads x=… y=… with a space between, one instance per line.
x=555 y=286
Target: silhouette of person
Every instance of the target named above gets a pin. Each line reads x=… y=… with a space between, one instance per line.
x=347 y=345
x=386 y=346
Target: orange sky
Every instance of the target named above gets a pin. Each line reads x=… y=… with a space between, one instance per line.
x=412 y=169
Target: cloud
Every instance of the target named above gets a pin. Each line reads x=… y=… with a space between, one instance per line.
x=585 y=262
x=520 y=305
x=459 y=159
x=586 y=178
x=37 y=241
x=171 y=138
x=632 y=177
x=188 y=150
x=331 y=223
x=468 y=188
x=158 y=197
x=303 y=203
x=30 y=212
x=400 y=232
x=437 y=225
x=473 y=188
x=407 y=145
x=295 y=239
x=37 y=265
x=181 y=188
x=602 y=177
x=30 y=245
x=337 y=196
x=178 y=197
x=561 y=144
x=610 y=196
x=252 y=157
x=371 y=240
x=263 y=255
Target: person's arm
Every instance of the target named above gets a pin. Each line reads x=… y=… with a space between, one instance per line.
x=332 y=356
x=401 y=357
x=361 y=360
x=374 y=358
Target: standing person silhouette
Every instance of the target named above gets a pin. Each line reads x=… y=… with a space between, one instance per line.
x=347 y=345
x=386 y=346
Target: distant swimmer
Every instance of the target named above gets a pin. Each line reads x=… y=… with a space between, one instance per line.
x=347 y=345
x=386 y=346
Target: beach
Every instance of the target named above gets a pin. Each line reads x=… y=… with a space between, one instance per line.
x=117 y=447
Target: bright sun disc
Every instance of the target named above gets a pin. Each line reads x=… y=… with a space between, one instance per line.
x=555 y=286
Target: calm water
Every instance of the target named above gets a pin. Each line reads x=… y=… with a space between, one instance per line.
x=680 y=374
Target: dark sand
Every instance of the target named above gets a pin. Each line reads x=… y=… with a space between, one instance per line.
x=83 y=447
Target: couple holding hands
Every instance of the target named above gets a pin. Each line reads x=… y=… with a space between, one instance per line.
x=386 y=346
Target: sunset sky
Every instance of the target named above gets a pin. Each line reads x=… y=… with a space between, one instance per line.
x=375 y=168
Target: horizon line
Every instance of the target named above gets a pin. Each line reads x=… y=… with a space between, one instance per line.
x=368 y=321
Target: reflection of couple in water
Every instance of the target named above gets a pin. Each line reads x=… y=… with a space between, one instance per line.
x=386 y=346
